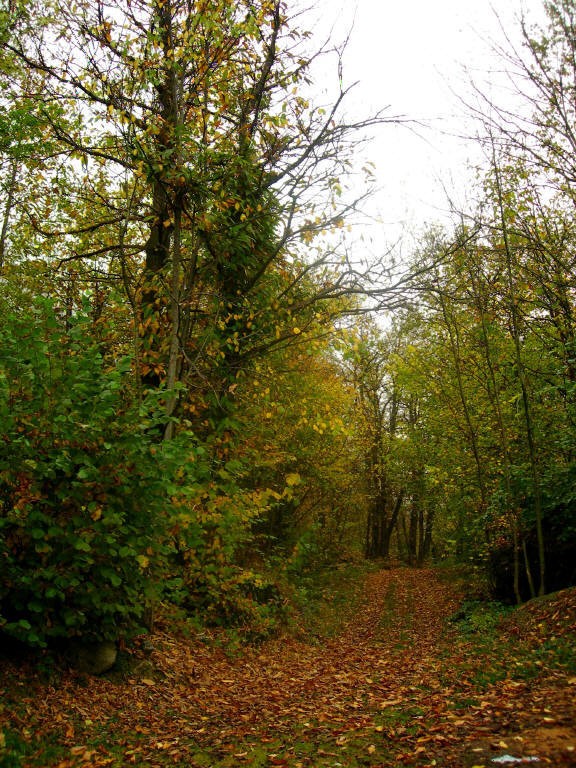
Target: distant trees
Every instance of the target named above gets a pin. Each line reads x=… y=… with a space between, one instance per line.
x=494 y=420
x=378 y=405
x=491 y=367
x=391 y=448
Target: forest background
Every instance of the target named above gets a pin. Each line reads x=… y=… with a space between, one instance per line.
x=199 y=400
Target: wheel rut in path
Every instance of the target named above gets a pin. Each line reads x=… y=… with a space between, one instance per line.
x=382 y=651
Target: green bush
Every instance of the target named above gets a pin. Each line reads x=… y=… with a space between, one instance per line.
x=228 y=596
x=212 y=585
x=82 y=485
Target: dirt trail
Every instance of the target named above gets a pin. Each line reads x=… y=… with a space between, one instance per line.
x=396 y=687
x=379 y=652
x=331 y=697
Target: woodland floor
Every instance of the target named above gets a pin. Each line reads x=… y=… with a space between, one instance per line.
x=399 y=684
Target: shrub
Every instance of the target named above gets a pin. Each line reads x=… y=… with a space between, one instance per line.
x=82 y=499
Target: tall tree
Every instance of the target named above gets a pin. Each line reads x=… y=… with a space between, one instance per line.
x=191 y=115
x=378 y=405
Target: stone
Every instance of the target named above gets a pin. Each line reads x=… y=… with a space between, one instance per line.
x=93 y=658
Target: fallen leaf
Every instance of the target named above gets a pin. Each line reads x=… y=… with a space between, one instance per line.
x=390 y=703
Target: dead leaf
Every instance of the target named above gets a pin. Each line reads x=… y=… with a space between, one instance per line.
x=390 y=703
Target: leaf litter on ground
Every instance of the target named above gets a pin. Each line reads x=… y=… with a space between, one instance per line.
x=398 y=685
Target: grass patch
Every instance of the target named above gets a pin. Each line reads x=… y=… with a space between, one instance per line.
x=479 y=618
x=397 y=619
x=407 y=717
x=471 y=581
x=326 y=598
x=19 y=751
x=498 y=649
x=388 y=612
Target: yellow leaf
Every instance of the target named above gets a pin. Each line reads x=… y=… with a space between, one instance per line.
x=293 y=479
x=390 y=703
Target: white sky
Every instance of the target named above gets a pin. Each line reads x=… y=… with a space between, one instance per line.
x=414 y=55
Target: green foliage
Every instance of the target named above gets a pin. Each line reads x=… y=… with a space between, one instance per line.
x=298 y=422
x=325 y=598
x=82 y=498
x=13 y=749
x=211 y=521
x=479 y=617
x=307 y=552
x=199 y=227
x=236 y=598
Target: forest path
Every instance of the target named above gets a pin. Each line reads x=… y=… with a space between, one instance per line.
x=399 y=685
x=337 y=682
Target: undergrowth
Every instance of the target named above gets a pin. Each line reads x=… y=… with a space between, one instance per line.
x=325 y=598
x=506 y=645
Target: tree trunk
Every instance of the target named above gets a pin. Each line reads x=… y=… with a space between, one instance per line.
x=381 y=526
x=526 y=404
x=427 y=540
x=7 y=211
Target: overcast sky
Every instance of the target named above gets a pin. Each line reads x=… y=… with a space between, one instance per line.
x=417 y=56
